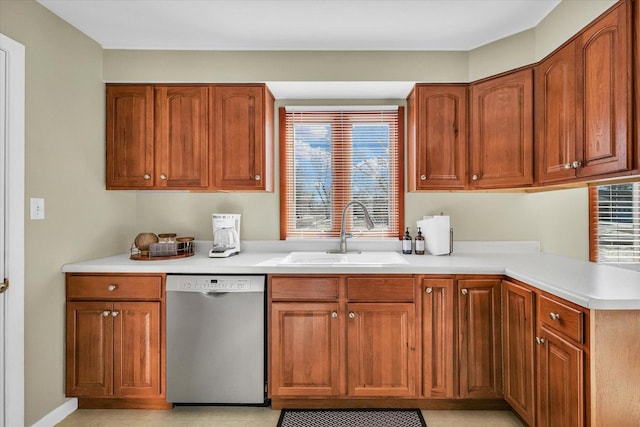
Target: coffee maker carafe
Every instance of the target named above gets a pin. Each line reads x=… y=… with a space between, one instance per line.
x=226 y=235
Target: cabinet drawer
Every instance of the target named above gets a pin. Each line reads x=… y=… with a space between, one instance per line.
x=561 y=318
x=114 y=287
x=304 y=288
x=380 y=289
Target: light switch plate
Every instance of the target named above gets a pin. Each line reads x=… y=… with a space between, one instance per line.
x=37 y=208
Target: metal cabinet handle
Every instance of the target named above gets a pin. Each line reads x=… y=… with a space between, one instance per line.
x=352 y=315
x=114 y=313
x=554 y=316
x=257 y=177
x=334 y=314
x=539 y=340
x=464 y=291
x=423 y=177
x=428 y=290
x=474 y=177
x=106 y=313
x=111 y=287
x=573 y=165
x=147 y=176
x=163 y=176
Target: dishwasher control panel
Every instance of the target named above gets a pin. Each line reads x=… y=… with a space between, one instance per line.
x=207 y=283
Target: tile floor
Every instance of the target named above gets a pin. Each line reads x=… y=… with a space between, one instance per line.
x=200 y=416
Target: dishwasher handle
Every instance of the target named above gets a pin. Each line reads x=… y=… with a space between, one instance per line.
x=214 y=294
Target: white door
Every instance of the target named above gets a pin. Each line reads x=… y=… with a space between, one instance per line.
x=12 y=74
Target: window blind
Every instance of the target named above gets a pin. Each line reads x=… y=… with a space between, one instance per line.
x=331 y=157
x=614 y=212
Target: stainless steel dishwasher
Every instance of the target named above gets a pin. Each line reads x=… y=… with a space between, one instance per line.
x=216 y=339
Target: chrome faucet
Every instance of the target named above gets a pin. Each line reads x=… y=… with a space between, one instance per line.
x=343 y=234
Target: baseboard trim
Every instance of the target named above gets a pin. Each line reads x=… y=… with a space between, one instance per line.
x=58 y=414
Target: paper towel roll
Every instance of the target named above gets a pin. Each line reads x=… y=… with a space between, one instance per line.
x=437 y=234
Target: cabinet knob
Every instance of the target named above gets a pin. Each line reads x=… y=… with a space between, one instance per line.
x=554 y=316
x=257 y=177
x=576 y=164
x=464 y=291
x=352 y=315
x=567 y=166
x=423 y=177
x=106 y=313
x=111 y=287
x=474 y=177
x=147 y=176
x=428 y=290
x=114 y=313
x=163 y=176
x=334 y=314
x=539 y=340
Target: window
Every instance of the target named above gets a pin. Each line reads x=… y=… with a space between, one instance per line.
x=331 y=157
x=614 y=212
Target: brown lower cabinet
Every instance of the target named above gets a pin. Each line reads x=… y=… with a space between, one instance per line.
x=545 y=350
x=342 y=337
x=518 y=329
x=115 y=344
x=466 y=308
x=368 y=339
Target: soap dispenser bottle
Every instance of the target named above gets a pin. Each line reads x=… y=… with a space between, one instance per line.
x=419 y=243
x=407 y=243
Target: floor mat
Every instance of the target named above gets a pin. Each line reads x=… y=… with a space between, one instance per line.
x=351 y=418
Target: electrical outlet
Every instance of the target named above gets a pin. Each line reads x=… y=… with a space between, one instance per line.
x=37 y=208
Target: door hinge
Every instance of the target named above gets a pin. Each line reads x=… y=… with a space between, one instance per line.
x=4 y=285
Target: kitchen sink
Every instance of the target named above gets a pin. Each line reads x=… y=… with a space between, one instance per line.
x=368 y=258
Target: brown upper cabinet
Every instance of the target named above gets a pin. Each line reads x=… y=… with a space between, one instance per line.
x=243 y=138
x=181 y=142
x=130 y=144
x=199 y=137
x=437 y=150
x=583 y=102
x=501 y=138
x=565 y=119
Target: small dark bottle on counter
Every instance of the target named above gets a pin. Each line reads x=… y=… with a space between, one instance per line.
x=419 y=243
x=407 y=243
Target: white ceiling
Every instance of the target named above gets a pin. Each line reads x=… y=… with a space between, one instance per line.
x=451 y=25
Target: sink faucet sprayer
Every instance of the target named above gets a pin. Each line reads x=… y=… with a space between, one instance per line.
x=343 y=234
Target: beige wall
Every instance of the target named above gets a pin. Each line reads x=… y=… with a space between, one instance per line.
x=65 y=157
x=481 y=216
x=65 y=165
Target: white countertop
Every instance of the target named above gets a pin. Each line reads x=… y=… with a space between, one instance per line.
x=590 y=285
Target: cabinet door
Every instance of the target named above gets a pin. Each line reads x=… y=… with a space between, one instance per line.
x=518 y=337
x=556 y=110
x=305 y=354
x=438 y=137
x=136 y=349
x=560 y=382
x=438 y=337
x=89 y=359
x=605 y=83
x=182 y=142
x=239 y=135
x=129 y=132
x=502 y=131
x=381 y=349
x=480 y=348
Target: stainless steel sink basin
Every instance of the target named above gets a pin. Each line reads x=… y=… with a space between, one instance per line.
x=368 y=258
